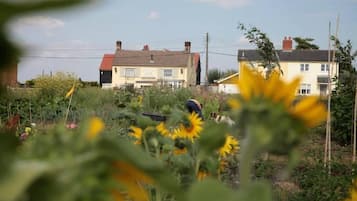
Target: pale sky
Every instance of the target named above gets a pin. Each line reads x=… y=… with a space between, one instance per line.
x=75 y=40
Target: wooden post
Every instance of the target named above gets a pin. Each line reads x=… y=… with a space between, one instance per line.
x=354 y=127
x=328 y=98
x=206 y=77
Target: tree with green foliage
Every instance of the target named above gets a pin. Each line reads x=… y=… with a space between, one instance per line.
x=342 y=100
x=55 y=85
x=265 y=48
x=215 y=74
x=305 y=44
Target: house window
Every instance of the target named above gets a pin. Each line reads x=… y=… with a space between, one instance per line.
x=325 y=67
x=304 y=67
x=181 y=71
x=129 y=72
x=167 y=72
x=305 y=89
x=115 y=70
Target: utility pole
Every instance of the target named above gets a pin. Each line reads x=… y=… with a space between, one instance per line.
x=206 y=77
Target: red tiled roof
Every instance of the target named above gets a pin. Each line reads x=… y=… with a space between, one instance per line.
x=196 y=60
x=107 y=62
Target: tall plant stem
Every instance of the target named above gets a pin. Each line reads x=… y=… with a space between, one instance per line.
x=69 y=106
x=249 y=149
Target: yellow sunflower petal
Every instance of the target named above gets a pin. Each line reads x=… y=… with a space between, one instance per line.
x=162 y=129
x=180 y=151
x=201 y=175
x=244 y=82
x=132 y=172
x=137 y=133
x=310 y=110
x=353 y=192
x=193 y=130
x=137 y=191
x=233 y=103
x=257 y=84
x=117 y=196
x=96 y=125
x=230 y=146
x=315 y=116
x=287 y=92
x=305 y=105
x=290 y=92
x=271 y=85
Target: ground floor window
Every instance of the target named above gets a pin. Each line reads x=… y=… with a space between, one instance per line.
x=305 y=89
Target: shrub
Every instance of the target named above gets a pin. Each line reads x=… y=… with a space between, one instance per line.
x=317 y=184
x=55 y=85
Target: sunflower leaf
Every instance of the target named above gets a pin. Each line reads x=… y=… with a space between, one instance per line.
x=211 y=190
x=23 y=173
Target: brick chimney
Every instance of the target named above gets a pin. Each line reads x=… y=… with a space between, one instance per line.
x=118 y=43
x=146 y=48
x=187 y=46
x=287 y=44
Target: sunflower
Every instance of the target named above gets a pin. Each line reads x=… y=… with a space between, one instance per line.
x=96 y=125
x=140 y=99
x=133 y=180
x=191 y=129
x=353 y=192
x=223 y=164
x=162 y=129
x=252 y=85
x=201 y=175
x=136 y=133
x=178 y=151
x=230 y=146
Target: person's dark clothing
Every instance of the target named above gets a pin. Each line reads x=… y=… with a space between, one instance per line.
x=193 y=105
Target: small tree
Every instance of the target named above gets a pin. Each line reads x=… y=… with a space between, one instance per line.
x=215 y=74
x=265 y=48
x=305 y=44
x=342 y=100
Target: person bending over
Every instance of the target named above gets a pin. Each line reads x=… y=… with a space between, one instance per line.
x=193 y=105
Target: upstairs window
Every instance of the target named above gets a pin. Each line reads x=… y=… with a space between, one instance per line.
x=167 y=72
x=304 y=67
x=325 y=67
x=129 y=72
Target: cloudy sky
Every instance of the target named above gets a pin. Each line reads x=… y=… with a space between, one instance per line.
x=75 y=40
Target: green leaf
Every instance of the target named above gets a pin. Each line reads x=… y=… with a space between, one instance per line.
x=256 y=191
x=212 y=137
x=124 y=150
x=23 y=173
x=8 y=146
x=211 y=190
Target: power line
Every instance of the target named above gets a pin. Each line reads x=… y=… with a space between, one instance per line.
x=74 y=49
x=224 y=54
x=100 y=57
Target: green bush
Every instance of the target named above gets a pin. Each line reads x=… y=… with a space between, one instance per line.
x=317 y=185
x=56 y=85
